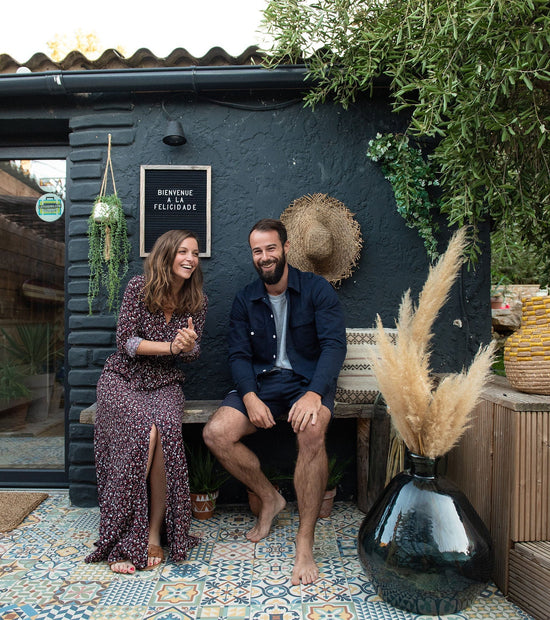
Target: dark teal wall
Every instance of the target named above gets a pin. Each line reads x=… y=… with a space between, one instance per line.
x=261 y=159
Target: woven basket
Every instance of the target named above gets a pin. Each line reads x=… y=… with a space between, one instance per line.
x=356 y=382
x=527 y=351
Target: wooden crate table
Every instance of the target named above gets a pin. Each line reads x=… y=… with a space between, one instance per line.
x=502 y=464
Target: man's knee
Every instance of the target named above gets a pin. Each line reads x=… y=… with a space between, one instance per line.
x=211 y=431
x=227 y=425
x=313 y=436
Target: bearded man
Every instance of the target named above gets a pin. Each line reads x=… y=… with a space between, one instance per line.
x=287 y=343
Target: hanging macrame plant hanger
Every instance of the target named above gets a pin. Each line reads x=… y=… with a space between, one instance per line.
x=102 y=210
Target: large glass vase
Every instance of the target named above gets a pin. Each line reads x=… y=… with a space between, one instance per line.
x=423 y=545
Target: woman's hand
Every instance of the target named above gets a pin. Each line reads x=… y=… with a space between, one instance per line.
x=185 y=339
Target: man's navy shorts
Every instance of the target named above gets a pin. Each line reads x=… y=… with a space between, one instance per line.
x=279 y=390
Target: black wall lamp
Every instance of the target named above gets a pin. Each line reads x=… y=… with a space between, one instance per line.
x=174 y=135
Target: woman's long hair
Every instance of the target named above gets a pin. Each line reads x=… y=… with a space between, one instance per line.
x=160 y=279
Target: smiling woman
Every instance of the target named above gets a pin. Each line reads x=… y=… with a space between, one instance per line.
x=139 y=404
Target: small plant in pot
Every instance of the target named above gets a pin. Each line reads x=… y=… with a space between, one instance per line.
x=336 y=471
x=205 y=479
x=109 y=249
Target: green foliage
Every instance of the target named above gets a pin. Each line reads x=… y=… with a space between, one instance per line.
x=473 y=74
x=205 y=474
x=32 y=347
x=411 y=177
x=336 y=471
x=109 y=251
x=12 y=384
x=513 y=261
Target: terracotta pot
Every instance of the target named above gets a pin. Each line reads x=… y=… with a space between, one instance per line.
x=326 y=506
x=203 y=505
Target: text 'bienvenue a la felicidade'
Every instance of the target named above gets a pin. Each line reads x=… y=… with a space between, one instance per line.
x=176 y=200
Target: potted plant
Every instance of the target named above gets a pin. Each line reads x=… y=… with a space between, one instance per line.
x=109 y=244
x=498 y=291
x=34 y=347
x=422 y=544
x=109 y=249
x=14 y=396
x=336 y=471
x=205 y=479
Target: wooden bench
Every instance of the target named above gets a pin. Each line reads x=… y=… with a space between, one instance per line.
x=372 y=439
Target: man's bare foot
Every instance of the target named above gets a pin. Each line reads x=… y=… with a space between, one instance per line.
x=268 y=512
x=305 y=570
x=124 y=567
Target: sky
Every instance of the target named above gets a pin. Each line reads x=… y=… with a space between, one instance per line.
x=161 y=25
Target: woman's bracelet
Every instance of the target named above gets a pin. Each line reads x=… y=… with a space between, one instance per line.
x=171 y=353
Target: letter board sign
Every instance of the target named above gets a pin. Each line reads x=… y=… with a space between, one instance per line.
x=174 y=197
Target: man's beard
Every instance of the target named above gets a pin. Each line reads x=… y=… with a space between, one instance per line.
x=275 y=275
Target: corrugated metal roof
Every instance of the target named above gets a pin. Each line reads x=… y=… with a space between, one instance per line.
x=142 y=58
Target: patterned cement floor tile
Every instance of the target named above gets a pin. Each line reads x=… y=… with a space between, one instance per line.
x=234 y=612
x=228 y=569
x=269 y=548
x=329 y=611
x=171 y=613
x=184 y=571
x=177 y=593
x=272 y=568
x=233 y=551
x=43 y=575
x=119 y=612
x=80 y=592
x=233 y=534
x=16 y=612
x=327 y=590
x=37 y=592
x=65 y=612
x=277 y=611
x=128 y=591
x=202 y=552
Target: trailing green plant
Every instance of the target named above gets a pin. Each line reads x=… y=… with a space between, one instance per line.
x=12 y=384
x=32 y=347
x=109 y=249
x=473 y=75
x=205 y=473
x=411 y=177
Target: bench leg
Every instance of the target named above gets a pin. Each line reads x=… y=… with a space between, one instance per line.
x=363 y=444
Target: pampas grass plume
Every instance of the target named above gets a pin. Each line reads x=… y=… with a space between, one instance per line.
x=430 y=419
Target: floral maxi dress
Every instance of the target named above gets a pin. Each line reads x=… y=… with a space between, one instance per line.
x=133 y=393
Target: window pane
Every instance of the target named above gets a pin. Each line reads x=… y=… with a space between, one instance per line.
x=32 y=268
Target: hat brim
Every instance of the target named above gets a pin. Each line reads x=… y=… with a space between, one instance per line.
x=338 y=220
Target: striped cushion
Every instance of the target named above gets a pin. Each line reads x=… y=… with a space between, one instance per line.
x=356 y=382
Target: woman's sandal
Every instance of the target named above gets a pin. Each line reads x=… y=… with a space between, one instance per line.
x=154 y=551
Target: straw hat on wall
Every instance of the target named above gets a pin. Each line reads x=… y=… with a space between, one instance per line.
x=324 y=237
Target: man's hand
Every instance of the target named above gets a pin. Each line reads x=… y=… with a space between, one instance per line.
x=258 y=412
x=304 y=411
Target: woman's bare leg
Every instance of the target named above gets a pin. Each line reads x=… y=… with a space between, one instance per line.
x=157 y=483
